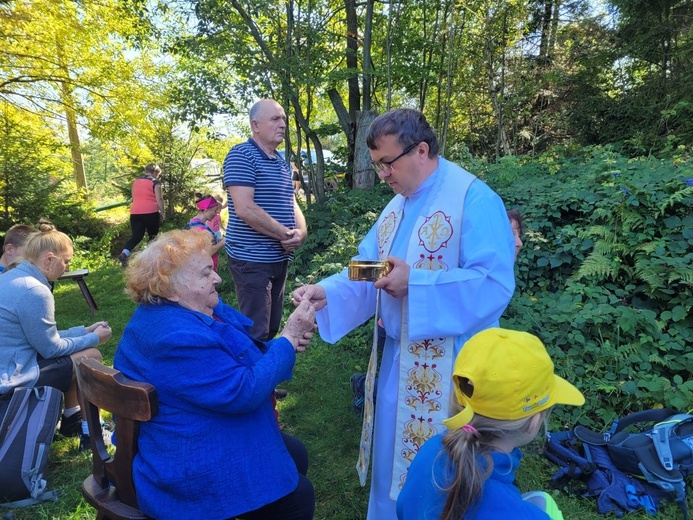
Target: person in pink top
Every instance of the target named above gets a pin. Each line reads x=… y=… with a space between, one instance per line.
x=216 y=222
x=207 y=207
x=146 y=211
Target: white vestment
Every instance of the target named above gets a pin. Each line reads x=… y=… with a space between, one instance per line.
x=458 y=302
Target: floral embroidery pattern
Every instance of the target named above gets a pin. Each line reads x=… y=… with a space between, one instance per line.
x=386 y=231
x=423 y=395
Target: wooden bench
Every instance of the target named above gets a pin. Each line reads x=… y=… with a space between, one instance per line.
x=78 y=276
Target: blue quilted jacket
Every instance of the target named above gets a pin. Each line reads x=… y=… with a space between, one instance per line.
x=214 y=450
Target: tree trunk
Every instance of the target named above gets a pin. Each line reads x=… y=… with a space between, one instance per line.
x=75 y=146
x=364 y=177
x=496 y=89
x=71 y=118
x=554 y=29
x=352 y=58
x=367 y=64
x=545 y=33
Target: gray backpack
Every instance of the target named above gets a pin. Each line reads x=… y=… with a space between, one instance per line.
x=26 y=433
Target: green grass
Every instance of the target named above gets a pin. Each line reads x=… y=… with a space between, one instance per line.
x=317 y=410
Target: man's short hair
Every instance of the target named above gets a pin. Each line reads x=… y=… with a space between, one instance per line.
x=256 y=110
x=408 y=125
x=17 y=235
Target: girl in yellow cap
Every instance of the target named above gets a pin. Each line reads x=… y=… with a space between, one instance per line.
x=505 y=384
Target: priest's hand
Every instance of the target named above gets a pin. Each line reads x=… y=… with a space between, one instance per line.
x=314 y=294
x=396 y=283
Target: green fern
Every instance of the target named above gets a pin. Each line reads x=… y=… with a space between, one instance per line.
x=656 y=359
x=674 y=199
x=601 y=231
x=651 y=276
x=650 y=247
x=684 y=275
x=596 y=264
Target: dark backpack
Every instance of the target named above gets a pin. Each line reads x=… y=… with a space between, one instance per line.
x=26 y=433
x=626 y=470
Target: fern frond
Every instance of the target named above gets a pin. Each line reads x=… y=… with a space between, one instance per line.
x=599 y=231
x=604 y=248
x=656 y=359
x=602 y=213
x=597 y=265
x=626 y=350
x=651 y=276
x=684 y=275
x=650 y=247
x=632 y=220
x=675 y=198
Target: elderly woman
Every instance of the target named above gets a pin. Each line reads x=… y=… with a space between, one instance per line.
x=33 y=352
x=215 y=450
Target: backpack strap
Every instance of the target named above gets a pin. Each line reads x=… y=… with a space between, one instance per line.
x=645 y=416
x=661 y=436
x=560 y=450
x=588 y=436
x=203 y=225
x=678 y=487
x=46 y=496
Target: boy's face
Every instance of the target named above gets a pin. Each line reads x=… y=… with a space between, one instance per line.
x=13 y=252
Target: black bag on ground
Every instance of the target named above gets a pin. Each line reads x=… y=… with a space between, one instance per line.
x=26 y=433
x=627 y=470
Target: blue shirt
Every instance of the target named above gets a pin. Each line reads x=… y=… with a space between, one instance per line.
x=248 y=165
x=423 y=497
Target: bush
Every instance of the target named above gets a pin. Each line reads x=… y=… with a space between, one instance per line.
x=606 y=276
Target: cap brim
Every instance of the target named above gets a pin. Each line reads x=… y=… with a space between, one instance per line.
x=460 y=419
x=566 y=393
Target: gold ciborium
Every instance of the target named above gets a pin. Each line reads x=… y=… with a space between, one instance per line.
x=368 y=270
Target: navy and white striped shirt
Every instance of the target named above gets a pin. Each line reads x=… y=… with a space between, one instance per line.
x=247 y=165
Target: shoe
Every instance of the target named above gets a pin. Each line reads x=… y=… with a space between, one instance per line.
x=358 y=387
x=84 y=442
x=107 y=431
x=71 y=426
x=123 y=258
x=280 y=393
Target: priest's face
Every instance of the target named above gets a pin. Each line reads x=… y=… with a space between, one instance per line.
x=402 y=168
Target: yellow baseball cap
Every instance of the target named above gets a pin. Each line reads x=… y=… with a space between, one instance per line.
x=511 y=375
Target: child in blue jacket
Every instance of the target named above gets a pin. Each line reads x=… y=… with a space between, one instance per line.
x=505 y=384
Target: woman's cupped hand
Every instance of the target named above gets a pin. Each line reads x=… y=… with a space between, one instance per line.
x=300 y=326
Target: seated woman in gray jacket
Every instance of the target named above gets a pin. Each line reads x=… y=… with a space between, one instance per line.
x=33 y=352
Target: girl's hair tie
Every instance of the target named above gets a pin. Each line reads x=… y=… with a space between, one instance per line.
x=469 y=429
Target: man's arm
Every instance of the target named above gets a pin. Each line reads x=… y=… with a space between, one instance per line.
x=253 y=215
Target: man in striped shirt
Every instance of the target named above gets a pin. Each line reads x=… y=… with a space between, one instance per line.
x=266 y=224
